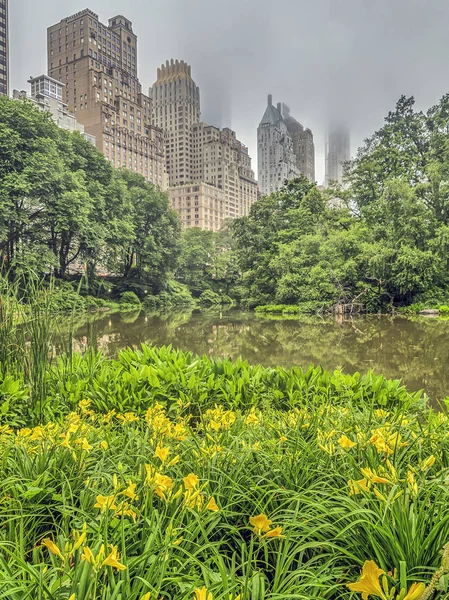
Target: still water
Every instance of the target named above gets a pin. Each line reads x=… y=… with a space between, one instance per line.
x=415 y=350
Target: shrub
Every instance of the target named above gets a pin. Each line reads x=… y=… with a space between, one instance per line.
x=130 y=299
x=210 y=298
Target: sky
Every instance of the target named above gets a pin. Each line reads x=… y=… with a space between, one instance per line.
x=328 y=60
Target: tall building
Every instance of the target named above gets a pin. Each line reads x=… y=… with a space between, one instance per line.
x=209 y=169
x=303 y=145
x=338 y=151
x=46 y=94
x=98 y=65
x=4 y=48
x=276 y=159
x=285 y=149
x=176 y=105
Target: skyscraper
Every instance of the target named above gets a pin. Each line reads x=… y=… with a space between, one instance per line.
x=4 y=48
x=276 y=159
x=176 y=105
x=338 y=151
x=209 y=169
x=285 y=148
x=303 y=146
x=98 y=65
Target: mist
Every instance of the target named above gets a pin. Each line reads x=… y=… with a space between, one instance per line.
x=329 y=60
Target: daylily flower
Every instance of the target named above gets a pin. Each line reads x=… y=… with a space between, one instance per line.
x=356 y=487
x=105 y=502
x=345 y=442
x=112 y=560
x=52 y=547
x=415 y=591
x=261 y=523
x=191 y=482
x=130 y=491
x=203 y=594
x=212 y=505
x=372 y=476
x=162 y=453
x=368 y=583
x=273 y=533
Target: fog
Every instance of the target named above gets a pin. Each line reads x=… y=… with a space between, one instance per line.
x=327 y=59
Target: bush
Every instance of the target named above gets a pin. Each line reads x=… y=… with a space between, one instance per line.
x=286 y=309
x=210 y=298
x=129 y=299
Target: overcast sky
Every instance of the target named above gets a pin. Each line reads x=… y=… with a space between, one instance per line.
x=324 y=58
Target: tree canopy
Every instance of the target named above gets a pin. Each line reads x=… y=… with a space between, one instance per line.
x=62 y=203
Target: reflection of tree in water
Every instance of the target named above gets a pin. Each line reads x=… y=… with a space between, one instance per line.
x=416 y=351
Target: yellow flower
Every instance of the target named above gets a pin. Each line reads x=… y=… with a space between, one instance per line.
x=191 y=482
x=429 y=462
x=412 y=485
x=72 y=597
x=162 y=452
x=112 y=560
x=372 y=476
x=252 y=418
x=52 y=547
x=356 y=487
x=415 y=592
x=345 y=442
x=79 y=538
x=146 y=596
x=104 y=445
x=203 y=594
x=85 y=445
x=88 y=555
x=261 y=523
x=273 y=533
x=212 y=505
x=130 y=491
x=282 y=439
x=368 y=583
x=105 y=502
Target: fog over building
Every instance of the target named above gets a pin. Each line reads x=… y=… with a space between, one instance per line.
x=338 y=151
x=4 y=48
x=98 y=65
x=46 y=94
x=285 y=149
x=209 y=169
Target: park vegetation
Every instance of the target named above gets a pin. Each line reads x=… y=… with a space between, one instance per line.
x=381 y=242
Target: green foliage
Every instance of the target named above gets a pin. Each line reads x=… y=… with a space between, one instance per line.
x=129 y=298
x=389 y=248
x=210 y=298
x=62 y=204
x=288 y=309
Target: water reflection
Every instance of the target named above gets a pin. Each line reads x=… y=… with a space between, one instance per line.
x=415 y=350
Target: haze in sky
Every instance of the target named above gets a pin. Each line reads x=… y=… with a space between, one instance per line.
x=326 y=59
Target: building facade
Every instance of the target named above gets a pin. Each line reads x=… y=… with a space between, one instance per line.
x=4 y=48
x=338 y=151
x=47 y=94
x=176 y=106
x=98 y=65
x=209 y=169
x=303 y=145
x=276 y=159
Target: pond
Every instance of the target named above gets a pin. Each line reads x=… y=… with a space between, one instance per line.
x=416 y=350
